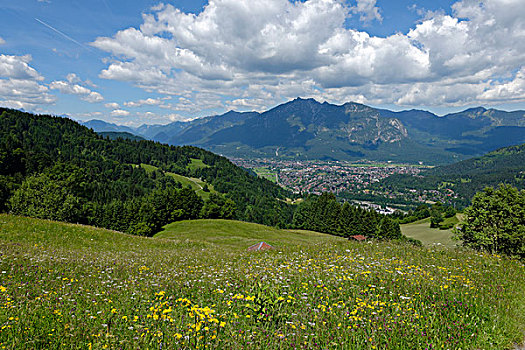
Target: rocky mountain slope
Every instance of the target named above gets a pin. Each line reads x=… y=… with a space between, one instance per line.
x=305 y=128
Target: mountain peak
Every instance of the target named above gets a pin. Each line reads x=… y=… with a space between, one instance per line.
x=476 y=110
x=310 y=99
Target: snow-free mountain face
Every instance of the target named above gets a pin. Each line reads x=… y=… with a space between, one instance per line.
x=102 y=126
x=307 y=129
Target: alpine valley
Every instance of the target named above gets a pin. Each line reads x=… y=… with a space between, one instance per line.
x=307 y=129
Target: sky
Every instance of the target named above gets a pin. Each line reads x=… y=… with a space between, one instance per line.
x=149 y=62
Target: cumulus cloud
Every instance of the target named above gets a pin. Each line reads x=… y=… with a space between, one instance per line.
x=73 y=78
x=512 y=90
x=255 y=54
x=119 y=113
x=112 y=105
x=2 y=41
x=27 y=94
x=367 y=10
x=17 y=67
x=70 y=87
x=20 y=84
x=147 y=102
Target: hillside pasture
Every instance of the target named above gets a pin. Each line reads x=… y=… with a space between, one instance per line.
x=196 y=184
x=65 y=286
x=228 y=234
x=197 y=164
x=421 y=230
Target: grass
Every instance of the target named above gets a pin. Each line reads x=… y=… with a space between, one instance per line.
x=227 y=234
x=197 y=164
x=429 y=236
x=65 y=286
x=196 y=184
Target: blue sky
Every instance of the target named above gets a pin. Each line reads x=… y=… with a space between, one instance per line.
x=135 y=62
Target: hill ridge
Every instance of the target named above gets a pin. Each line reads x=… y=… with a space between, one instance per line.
x=306 y=128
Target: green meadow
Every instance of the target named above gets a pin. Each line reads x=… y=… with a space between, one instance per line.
x=195 y=184
x=238 y=235
x=194 y=286
x=421 y=230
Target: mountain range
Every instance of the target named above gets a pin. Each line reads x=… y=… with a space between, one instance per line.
x=307 y=129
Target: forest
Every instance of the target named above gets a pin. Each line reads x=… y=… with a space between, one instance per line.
x=326 y=214
x=54 y=168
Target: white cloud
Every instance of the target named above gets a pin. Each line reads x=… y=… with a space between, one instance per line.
x=367 y=10
x=17 y=67
x=247 y=104
x=20 y=85
x=147 y=102
x=119 y=113
x=93 y=97
x=27 y=94
x=176 y=118
x=254 y=54
x=2 y=41
x=513 y=90
x=73 y=78
x=112 y=105
x=133 y=72
x=69 y=87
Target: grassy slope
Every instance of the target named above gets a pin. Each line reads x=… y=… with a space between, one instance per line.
x=73 y=286
x=239 y=235
x=430 y=236
x=197 y=164
x=62 y=236
x=196 y=184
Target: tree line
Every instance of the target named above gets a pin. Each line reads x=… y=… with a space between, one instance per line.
x=54 y=168
x=326 y=214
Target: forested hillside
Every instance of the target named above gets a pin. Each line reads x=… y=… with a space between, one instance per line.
x=52 y=167
x=55 y=168
x=325 y=214
x=505 y=165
